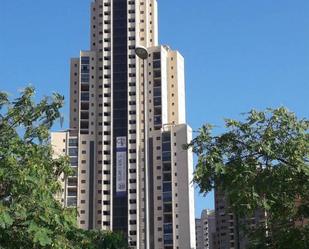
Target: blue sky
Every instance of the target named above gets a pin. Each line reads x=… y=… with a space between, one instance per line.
x=239 y=54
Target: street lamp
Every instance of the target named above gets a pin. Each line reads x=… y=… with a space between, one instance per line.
x=142 y=53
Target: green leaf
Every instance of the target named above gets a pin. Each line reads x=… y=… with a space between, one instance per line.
x=42 y=236
x=5 y=220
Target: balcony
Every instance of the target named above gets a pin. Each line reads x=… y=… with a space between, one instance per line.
x=84 y=96
x=71 y=202
x=72 y=182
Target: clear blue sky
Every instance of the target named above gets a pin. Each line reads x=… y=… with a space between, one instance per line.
x=239 y=54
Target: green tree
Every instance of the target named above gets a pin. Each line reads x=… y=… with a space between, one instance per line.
x=30 y=217
x=261 y=163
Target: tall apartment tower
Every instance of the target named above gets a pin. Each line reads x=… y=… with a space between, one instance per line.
x=105 y=141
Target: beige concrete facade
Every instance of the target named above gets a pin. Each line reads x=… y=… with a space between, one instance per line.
x=106 y=109
x=65 y=144
x=205 y=228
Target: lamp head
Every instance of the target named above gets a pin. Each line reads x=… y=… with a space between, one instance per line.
x=141 y=52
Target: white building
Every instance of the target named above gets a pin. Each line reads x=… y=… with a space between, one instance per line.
x=107 y=129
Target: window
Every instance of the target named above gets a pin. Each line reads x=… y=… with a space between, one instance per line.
x=74 y=161
x=157 y=74
x=133 y=211
x=168 y=228
x=167 y=208
x=157 y=120
x=132 y=201
x=166 y=156
x=166 y=146
x=132 y=222
x=156 y=55
x=85 y=60
x=84 y=96
x=73 y=151
x=167 y=187
x=167 y=197
x=168 y=239
x=157 y=64
x=84 y=78
x=84 y=106
x=73 y=142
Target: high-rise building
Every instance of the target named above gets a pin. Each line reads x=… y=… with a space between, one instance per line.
x=113 y=119
x=205 y=228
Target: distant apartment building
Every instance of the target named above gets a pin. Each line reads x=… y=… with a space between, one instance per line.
x=229 y=232
x=125 y=143
x=205 y=228
x=198 y=233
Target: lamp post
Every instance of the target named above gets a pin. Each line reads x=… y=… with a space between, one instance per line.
x=142 y=53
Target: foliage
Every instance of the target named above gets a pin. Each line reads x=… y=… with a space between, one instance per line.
x=99 y=240
x=261 y=163
x=30 y=217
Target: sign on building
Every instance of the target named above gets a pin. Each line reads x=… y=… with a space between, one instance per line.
x=121 y=165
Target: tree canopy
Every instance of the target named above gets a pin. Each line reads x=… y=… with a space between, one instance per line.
x=261 y=163
x=30 y=217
